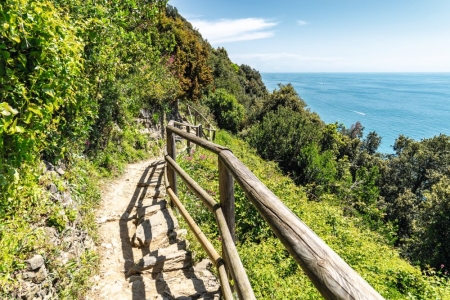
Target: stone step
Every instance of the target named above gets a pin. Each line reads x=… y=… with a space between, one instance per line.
x=167 y=273
x=156 y=264
x=153 y=232
x=180 y=288
x=148 y=211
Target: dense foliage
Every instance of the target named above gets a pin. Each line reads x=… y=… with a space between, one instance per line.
x=272 y=271
x=74 y=75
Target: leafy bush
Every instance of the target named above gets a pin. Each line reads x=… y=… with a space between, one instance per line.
x=228 y=112
x=45 y=106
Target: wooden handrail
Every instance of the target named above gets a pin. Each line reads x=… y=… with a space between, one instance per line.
x=200 y=114
x=331 y=275
x=211 y=135
x=204 y=242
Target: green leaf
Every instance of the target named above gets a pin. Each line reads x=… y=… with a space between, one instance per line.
x=28 y=117
x=34 y=109
x=15 y=39
x=5 y=54
x=12 y=128
x=7 y=110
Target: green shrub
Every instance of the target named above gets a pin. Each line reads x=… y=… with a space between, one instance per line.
x=228 y=112
x=43 y=94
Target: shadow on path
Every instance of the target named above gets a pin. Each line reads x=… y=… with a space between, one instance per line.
x=149 y=192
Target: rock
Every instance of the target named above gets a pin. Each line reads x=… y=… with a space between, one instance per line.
x=156 y=264
x=49 y=166
x=125 y=216
x=63 y=258
x=35 y=262
x=202 y=268
x=154 y=230
x=154 y=289
x=151 y=197
x=210 y=296
x=102 y=220
x=192 y=288
x=52 y=188
x=106 y=245
x=30 y=291
x=114 y=243
x=138 y=290
x=134 y=278
x=60 y=171
x=147 y=211
x=55 y=197
x=177 y=235
x=29 y=276
x=41 y=275
x=131 y=231
x=52 y=235
x=181 y=245
x=66 y=199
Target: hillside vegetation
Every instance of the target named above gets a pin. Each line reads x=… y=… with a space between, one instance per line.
x=274 y=274
x=76 y=78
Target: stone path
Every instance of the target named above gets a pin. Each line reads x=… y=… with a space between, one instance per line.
x=143 y=251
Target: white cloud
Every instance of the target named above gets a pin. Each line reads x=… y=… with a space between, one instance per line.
x=287 y=62
x=226 y=30
x=302 y=23
x=283 y=55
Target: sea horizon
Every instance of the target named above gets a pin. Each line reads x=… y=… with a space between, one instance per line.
x=415 y=104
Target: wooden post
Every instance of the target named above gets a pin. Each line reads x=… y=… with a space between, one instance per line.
x=172 y=152
x=199 y=130
x=188 y=129
x=226 y=189
x=161 y=121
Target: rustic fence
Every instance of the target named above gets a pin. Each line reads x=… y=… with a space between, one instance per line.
x=333 y=277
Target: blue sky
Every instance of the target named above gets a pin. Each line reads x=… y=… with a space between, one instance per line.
x=327 y=35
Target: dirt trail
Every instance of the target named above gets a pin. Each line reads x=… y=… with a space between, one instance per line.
x=143 y=252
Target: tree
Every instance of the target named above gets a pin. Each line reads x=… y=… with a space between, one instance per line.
x=285 y=96
x=431 y=239
x=189 y=57
x=228 y=112
x=371 y=143
x=411 y=174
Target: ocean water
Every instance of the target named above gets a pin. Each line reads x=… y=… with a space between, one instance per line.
x=413 y=104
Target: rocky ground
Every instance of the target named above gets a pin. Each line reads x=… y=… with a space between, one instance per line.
x=38 y=280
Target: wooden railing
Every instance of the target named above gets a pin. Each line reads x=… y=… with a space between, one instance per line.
x=210 y=135
x=333 y=277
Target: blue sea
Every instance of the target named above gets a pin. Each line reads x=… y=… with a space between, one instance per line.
x=413 y=104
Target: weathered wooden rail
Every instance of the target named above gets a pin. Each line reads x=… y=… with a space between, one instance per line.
x=331 y=275
x=209 y=127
